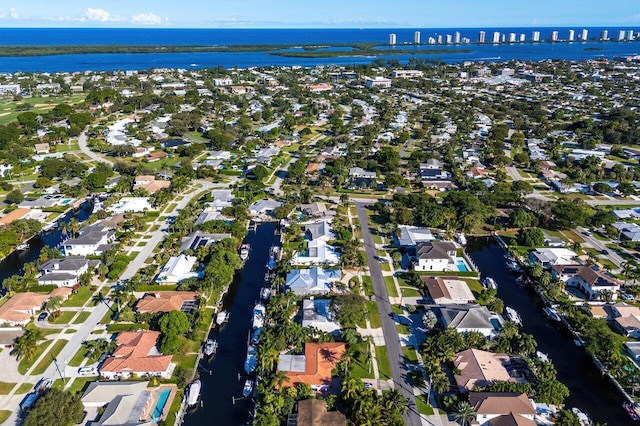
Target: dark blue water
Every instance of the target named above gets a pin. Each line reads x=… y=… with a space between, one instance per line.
x=223 y=37
x=590 y=391
x=223 y=377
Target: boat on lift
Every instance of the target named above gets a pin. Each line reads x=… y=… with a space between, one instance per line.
x=552 y=313
x=248 y=388
x=210 y=347
x=244 y=251
x=462 y=240
x=222 y=317
x=258 y=316
x=193 y=393
x=265 y=293
x=489 y=282
x=251 y=362
x=582 y=417
x=22 y=247
x=513 y=316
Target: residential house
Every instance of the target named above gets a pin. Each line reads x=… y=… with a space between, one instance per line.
x=548 y=257
x=313 y=412
x=118 y=403
x=360 y=173
x=317 y=313
x=629 y=231
x=502 y=408
x=465 y=318
x=167 y=301
x=316 y=209
x=633 y=349
x=63 y=272
x=178 y=268
x=435 y=178
x=136 y=354
x=436 y=256
x=448 y=290
x=198 y=239
x=587 y=279
x=478 y=368
x=627 y=319
x=410 y=236
x=21 y=307
x=264 y=207
x=314 y=280
x=318 y=253
x=315 y=366
x=131 y=205
x=42 y=148
x=9 y=335
x=90 y=241
x=21 y=213
x=377 y=81
x=320 y=230
x=150 y=184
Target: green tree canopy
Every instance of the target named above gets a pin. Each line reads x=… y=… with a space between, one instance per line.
x=56 y=407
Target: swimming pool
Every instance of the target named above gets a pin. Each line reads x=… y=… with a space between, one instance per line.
x=65 y=201
x=163 y=395
x=462 y=265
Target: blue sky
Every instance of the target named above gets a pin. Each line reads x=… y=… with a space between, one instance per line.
x=318 y=14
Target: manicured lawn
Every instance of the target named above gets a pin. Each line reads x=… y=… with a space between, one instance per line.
x=78 y=357
x=55 y=350
x=410 y=292
x=403 y=329
x=377 y=239
x=410 y=354
x=78 y=299
x=78 y=385
x=5 y=388
x=383 y=362
x=385 y=266
x=367 y=285
x=113 y=328
x=423 y=406
x=82 y=317
x=24 y=388
x=391 y=286
x=64 y=317
x=106 y=319
x=4 y=415
x=25 y=365
x=374 y=315
x=360 y=366
x=474 y=286
x=186 y=361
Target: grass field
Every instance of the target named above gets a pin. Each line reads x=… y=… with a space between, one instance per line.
x=25 y=365
x=5 y=388
x=360 y=366
x=55 y=350
x=391 y=286
x=39 y=104
x=24 y=388
x=78 y=299
x=384 y=368
x=82 y=317
x=64 y=318
x=374 y=315
x=4 y=415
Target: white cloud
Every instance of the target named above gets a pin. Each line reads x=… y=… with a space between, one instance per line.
x=147 y=19
x=98 y=15
x=13 y=13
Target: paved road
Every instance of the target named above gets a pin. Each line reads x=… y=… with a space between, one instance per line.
x=513 y=172
x=612 y=202
x=283 y=171
x=82 y=143
x=391 y=337
x=600 y=245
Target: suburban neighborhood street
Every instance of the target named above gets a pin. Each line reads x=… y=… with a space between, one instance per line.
x=391 y=337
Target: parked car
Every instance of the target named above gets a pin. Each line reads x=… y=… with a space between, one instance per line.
x=43 y=316
x=626 y=296
x=605 y=252
x=88 y=371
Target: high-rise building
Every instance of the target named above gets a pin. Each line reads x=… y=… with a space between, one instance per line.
x=535 y=36
x=585 y=35
x=503 y=38
x=392 y=39
x=572 y=35
x=604 y=35
x=523 y=38
x=449 y=38
x=481 y=37
x=554 y=36
x=416 y=37
x=621 y=35
x=630 y=35
x=431 y=40
x=456 y=38
x=496 y=37
x=440 y=39
x=512 y=37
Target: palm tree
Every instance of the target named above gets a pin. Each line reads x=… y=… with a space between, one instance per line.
x=463 y=413
x=394 y=400
x=351 y=388
x=440 y=382
x=53 y=305
x=27 y=345
x=350 y=336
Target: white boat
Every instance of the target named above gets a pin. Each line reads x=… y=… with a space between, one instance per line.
x=222 y=317
x=210 y=347
x=22 y=247
x=512 y=265
x=265 y=293
x=50 y=226
x=244 y=251
x=461 y=238
x=489 y=282
x=513 y=315
x=248 y=387
x=255 y=337
x=582 y=417
x=193 y=393
x=251 y=362
x=258 y=315
x=551 y=313
x=543 y=357
x=97 y=206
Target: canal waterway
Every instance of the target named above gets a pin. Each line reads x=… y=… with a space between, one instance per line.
x=13 y=263
x=590 y=391
x=223 y=376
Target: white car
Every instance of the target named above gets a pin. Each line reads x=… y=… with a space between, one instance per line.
x=88 y=371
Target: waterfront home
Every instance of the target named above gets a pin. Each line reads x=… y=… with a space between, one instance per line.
x=494 y=408
x=411 y=235
x=21 y=213
x=167 y=301
x=131 y=205
x=150 y=184
x=314 y=367
x=316 y=209
x=21 y=307
x=466 y=318
x=317 y=313
x=548 y=257
x=360 y=173
x=64 y=272
x=633 y=350
x=313 y=412
x=118 y=403
x=136 y=354
x=626 y=319
x=435 y=256
x=221 y=198
x=588 y=280
x=320 y=230
x=314 y=280
x=264 y=207
x=178 y=268
x=318 y=253
x=198 y=239
x=90 y=241
x=476 y=368
x=448 y=290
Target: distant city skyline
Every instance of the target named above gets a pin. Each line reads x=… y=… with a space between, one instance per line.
x=327 y=14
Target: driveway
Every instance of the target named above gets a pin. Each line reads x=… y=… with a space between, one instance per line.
x=391 y=337
x=82 y=143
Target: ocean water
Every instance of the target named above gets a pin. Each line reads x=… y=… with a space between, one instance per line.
x=222 y=37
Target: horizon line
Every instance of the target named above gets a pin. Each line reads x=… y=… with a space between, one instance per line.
x=293 y=27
